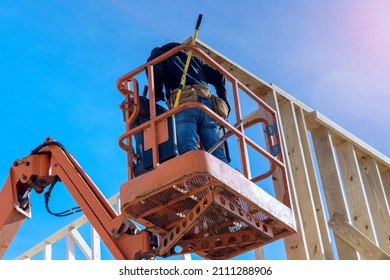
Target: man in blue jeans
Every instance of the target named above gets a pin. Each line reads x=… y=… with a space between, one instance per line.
x=192 y=122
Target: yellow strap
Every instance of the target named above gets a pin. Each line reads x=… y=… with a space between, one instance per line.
x=183 y=77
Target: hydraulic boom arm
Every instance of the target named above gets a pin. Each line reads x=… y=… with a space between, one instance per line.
x=50 y=163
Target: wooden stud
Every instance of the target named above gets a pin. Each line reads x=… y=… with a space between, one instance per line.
x=376 y=200
x=386 y=185
x=79 y=240
x=331 y=185
x=95 y=245
x=259 y=253
x=313 y=183
x=47 y=251
x=186 y=257
x=295 y=244
x=301 y=180
x=70 y=246
x=354 y=193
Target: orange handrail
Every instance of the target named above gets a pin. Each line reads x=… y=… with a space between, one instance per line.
x=126 y=81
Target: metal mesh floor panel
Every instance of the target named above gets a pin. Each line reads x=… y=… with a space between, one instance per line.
x=162 y=209
x=227 y=225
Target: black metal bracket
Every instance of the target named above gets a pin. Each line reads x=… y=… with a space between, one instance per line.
x=276 y=150
x=271 y=129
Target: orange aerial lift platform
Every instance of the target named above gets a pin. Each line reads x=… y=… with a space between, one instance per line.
x=189 y=203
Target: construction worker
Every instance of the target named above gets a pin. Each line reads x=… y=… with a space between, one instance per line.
x=192 y=123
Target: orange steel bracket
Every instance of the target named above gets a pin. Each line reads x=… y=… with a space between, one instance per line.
x=15 y=204
x=162 y=134
x=11 y=214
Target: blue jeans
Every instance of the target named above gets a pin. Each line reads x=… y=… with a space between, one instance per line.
x=193 y=123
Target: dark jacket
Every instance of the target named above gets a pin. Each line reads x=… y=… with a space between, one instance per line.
x=168 y=73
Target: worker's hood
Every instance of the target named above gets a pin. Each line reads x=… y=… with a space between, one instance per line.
x=165 y=48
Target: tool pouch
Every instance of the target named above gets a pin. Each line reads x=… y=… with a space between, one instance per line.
x=202 y=91
x=220 y=107
x=189 y=94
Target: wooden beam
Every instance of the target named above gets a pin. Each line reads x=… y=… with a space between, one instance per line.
x=301 y=181
x=254 y=83
x=47 y=252
x=95 y=245
x=377 y=201
x=354 y=192
x=70 y=247
x=295 y=245
x=259 y=253
x=277 y=177
x=386 y=185
x=331 y=185
x=61 y=233
x=82 y=244
x=343 y=135
x=186 y=257
x=313 y=183
x=315 y=119
x=356 y=239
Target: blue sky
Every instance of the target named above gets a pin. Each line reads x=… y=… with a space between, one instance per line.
x=59 y=62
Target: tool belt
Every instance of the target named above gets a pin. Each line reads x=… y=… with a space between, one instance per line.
x=192 y=92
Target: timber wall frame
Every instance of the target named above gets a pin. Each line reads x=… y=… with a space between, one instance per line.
x=340 y=186
x=324 y=158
